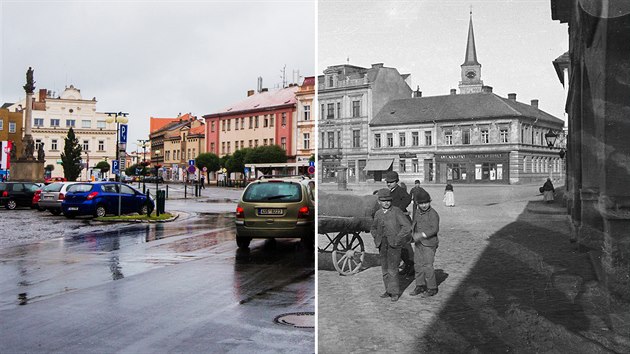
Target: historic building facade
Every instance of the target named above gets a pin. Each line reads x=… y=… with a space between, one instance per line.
x=349 y=96
x=10 y=136
x=53 y=117
x=265 y=117
x=472 y=137
x=168 y=147
x=305 y=122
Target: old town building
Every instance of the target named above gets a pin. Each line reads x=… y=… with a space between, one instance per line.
x=168 y=146
x=349 y=96
x=305 y=122
x=181 y=145
x=598 y=152
x=475 y=136
x=52 y=118
x=10 y=136
x=265 y=117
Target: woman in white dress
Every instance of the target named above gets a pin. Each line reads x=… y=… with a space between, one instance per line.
x=449 y=197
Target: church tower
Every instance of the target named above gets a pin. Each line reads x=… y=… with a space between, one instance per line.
x=471 y=69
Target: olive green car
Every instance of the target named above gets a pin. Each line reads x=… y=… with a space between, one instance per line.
x=276 y=207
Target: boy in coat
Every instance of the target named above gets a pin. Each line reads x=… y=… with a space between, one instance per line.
x=426 y=224
x=401 y=199
x=391 y=229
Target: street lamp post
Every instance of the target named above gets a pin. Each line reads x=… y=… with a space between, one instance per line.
x=143 y=143
x=550 y=138
x=119 y=117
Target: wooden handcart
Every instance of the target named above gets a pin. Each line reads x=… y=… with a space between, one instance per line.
x=344 y=241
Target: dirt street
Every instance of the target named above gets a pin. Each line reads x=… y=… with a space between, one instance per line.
x=509 y=280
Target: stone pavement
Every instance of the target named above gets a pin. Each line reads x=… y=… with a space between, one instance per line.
x=510 y=280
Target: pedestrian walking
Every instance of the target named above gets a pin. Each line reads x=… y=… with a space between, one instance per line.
x=201 y=181
x=449 y=197
x=414 y=194
x=548 y=191
x=425 y=227
x=401 y=199
x=391 y=229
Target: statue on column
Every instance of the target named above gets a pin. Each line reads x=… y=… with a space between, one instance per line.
x=28 y=150
x=41 y=156
x=30 y=83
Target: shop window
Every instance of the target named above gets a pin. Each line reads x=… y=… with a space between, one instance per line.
x=456 y=172
x=402 y=165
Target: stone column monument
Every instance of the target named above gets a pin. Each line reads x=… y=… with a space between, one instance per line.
x=27 y=167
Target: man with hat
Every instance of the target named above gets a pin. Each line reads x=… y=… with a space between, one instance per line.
x=401 y=199
x=415 y=194
x=425 y=227
x=391 y=229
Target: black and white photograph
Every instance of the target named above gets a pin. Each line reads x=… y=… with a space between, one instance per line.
x=472 y=176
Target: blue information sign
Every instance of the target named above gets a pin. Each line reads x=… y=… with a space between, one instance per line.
x=191 y=162
x=311 y=163
x=123 y=133
x=115 y=169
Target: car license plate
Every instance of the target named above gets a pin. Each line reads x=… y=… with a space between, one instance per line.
x=49 y=197
x=73 y=208
x=269 y=211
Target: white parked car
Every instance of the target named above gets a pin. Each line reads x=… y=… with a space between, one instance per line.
x=53 y=195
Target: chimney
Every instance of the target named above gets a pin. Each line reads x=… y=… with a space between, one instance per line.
x=453 y=91
x=417 y=93
x=377 y=66
x=42 y=95
x=535 y=103
x=486 y=89
x=512 y=96
x=259 y=87
x=250 y=93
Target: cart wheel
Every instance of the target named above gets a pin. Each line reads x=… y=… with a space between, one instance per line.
x=348 y=253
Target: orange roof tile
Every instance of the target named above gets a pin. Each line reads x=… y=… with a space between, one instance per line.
x=198 y=130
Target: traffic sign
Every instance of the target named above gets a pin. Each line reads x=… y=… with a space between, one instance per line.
x=191 y=162
x=205 y=169
x=115 y=169
x=311 y=163
x=191 y=168
x=123 y=134
x=311 y=169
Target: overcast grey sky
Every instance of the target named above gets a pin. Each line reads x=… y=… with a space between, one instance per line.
x=516 y=42
x=154 y=58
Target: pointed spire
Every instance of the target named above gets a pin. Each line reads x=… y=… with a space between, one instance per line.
x=471 y=52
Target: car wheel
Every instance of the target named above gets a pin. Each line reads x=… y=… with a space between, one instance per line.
x=11 y=204
x=243 y=242
x=143 y=209
x=100 y=211
x=55 y=211
x=41 y=209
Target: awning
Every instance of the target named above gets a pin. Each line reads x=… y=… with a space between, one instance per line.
x=378 y=165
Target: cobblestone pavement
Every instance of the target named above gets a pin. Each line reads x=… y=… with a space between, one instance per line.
x=509 y=281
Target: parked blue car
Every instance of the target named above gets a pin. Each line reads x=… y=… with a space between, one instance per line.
x=102 y=198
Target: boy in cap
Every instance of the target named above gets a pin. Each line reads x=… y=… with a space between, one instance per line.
x=401 y=199
x=426 y=224
x=391 y=229
x=415 y=194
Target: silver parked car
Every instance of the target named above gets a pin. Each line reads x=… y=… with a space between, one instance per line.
x=52 y=195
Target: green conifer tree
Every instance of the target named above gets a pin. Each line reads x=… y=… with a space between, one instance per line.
x=71 y=157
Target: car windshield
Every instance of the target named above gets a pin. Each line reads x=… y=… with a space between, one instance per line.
x=53 y=187
x=80 y=188
x=273 y=192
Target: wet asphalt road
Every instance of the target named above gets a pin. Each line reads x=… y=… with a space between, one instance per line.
x=158 y=288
